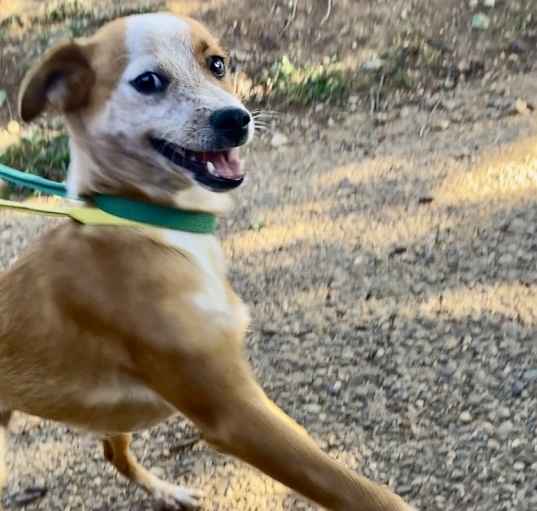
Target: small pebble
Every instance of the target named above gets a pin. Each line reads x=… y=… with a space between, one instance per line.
x=481 y=22
x=505 y=429
x=466 y=417
x=519 y=466
x=279 y=140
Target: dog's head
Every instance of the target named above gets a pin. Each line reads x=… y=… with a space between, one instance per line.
x=149 y=108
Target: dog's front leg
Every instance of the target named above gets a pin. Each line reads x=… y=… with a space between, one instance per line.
x=219 y=394
x=116 y=451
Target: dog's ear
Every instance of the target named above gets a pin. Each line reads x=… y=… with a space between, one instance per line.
x=62 y=80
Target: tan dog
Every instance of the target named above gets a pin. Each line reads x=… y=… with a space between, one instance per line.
x=128 y=326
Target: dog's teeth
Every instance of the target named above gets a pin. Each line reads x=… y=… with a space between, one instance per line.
x=211 y=168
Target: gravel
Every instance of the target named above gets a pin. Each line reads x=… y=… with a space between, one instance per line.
x=400 y=332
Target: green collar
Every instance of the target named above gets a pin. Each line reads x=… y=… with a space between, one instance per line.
x=109 y=210
x=158 y=216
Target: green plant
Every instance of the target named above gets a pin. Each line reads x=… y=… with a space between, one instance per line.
x=62 y=10
x=305 y=85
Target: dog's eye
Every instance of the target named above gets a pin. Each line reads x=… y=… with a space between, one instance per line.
x=217 y=66
x=150 y=83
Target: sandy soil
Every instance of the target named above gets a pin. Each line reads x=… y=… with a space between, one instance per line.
x=390 y=266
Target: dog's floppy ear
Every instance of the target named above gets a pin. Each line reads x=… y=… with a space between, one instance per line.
x=62 y=80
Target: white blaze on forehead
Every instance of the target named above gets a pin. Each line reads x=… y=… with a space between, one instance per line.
x=143 y=31
x=161 y=39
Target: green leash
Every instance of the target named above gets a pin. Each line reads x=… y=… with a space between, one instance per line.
x=109 y=210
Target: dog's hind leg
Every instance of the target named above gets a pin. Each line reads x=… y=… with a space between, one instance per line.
x=5 y=416
x=116 y=451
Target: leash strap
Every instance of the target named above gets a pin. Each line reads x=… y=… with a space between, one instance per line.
x=40 y=184
x=110 y=210
x=88 y=216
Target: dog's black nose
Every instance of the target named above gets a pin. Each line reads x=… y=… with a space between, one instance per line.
x=231 y=124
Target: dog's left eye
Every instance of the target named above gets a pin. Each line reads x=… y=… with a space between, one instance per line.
x=217 y=66
x=150 y=83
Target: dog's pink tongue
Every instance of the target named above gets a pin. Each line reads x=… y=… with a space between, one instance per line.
x=227 y=163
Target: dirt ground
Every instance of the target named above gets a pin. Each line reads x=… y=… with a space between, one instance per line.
x=389 y=260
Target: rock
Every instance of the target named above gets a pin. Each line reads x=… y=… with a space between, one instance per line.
x=493 y=445
x=475 y=398
x=489 y=3
x=457 y=475
x=313 y=408
x=518 y=47
x=481 y=22
x=398 y=251
x=504 y=412
x=404 y=489
x=531 y=375
x=29 y=495
x=452 y=342
x=519 y=466
x=374 y=64
x=405 y=112
x=425 y=200
x=505 y=429
x=506 y=260
x=517 y=388
x=360 y=260
x=517 y=444
x=466 y=417
x=441 y=125
x=518 y=225
x=279 y=139
x=448 y=369
x=521 y=107
x=450 y=105
x=335 y=389
x=487 y=428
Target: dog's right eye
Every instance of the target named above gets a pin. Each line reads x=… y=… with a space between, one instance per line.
x=150 y=83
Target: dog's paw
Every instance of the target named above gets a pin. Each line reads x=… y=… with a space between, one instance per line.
x=177 y=498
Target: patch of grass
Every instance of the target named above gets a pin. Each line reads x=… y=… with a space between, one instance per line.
x=62 y=10
x=332 y=82
x=76 y=11
x=44 y=153
x=305 y=85
x=414 y=49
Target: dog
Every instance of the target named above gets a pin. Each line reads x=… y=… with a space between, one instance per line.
x=130 y=325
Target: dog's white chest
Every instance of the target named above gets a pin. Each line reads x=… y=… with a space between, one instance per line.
x=208 y=255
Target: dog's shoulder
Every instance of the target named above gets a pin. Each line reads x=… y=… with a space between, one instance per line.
x=113 y=259
x=117 y=278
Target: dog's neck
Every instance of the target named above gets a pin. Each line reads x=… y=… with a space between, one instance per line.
x=204 y=249
x=85 y=179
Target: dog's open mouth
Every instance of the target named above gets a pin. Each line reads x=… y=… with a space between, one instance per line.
x=217 y=170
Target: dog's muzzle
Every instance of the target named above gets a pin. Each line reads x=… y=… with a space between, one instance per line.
x=231 y=126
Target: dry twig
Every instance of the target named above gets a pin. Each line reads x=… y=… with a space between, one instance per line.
x=426 y=125
x=291 y=18
x=328 y=11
